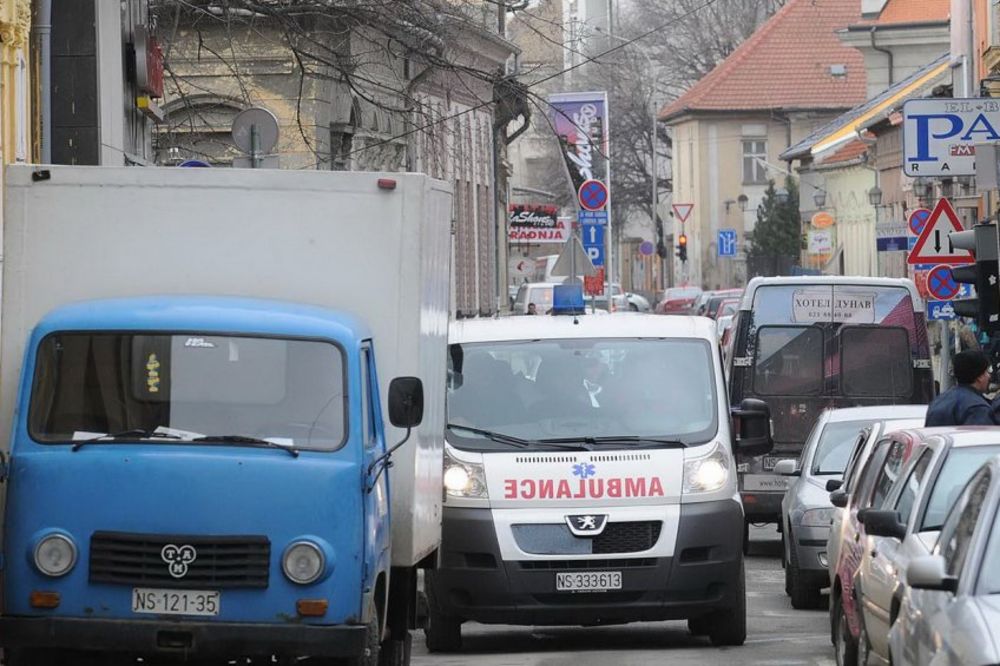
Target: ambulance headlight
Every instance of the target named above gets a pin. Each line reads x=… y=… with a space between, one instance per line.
x=708 y=473
x=464 y=479
x=55 y=555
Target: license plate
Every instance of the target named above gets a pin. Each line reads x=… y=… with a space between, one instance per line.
x=589 y=581
x=175 y=602
x=765 y=482
x=768 y=462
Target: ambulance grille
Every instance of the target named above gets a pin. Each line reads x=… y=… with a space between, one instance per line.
x=631 y=537
x=560 y=565
x=556 y=539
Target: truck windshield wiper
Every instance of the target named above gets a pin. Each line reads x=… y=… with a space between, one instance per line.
x=247 y=439
x=135 y=433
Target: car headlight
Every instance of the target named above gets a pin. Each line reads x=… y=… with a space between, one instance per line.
x=303 y=562
x=817 y=517
x=464 y=479
x=708 y=473
x=55 y=555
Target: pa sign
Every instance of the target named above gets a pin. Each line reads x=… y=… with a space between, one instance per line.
x=940 y=134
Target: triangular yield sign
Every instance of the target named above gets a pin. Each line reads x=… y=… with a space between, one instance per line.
x=933 y=245
x=573 y=253
x=682 y=211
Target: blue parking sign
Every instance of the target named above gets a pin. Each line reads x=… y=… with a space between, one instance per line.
x=593 y=242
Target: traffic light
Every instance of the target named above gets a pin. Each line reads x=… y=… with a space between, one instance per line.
x=682 y=247
x=981 y=240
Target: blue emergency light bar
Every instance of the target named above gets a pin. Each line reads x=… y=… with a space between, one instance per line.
x=567 y=299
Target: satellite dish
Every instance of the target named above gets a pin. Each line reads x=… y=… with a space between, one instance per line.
x=261 y=122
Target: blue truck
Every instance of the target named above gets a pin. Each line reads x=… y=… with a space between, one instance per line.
x=196 y=367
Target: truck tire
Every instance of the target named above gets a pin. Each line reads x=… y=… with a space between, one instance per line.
x=803 y=592
x=372 y=649
x=729 y=626
x=442 y=633
x=396 y=652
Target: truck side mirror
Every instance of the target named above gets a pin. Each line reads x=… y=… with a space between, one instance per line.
x=406 y=402
x=882 y=523
x=754 y=427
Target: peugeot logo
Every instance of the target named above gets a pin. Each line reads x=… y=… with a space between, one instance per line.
x=178 y=558
x=588 y=525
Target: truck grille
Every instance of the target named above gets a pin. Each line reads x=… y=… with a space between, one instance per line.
x=556 y=539
x=219 y=561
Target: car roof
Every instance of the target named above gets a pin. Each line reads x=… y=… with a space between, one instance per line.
x=956 y=436
x=615 y=325
x=876 y=413
x=830 y=280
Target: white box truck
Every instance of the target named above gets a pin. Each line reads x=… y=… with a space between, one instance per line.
x=194 y=367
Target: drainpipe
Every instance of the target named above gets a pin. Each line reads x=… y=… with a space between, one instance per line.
x=41 y=31
x=887 y=52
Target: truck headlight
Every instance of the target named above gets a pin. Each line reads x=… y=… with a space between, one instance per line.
x=464 y=479
x=817 y=517
x=303 y=562
x=708 y=473
x=55 y=555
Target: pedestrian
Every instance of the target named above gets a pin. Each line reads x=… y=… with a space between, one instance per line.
x=964 y=403
x=532 y=309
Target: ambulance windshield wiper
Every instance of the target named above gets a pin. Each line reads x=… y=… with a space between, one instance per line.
x=510 y=440
x=633 y=440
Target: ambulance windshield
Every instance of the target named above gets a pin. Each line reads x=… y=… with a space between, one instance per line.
x=589 y=388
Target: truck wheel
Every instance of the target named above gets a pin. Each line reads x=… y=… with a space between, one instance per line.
x=371 y=654
x=442 y=633
x=805 y=595
x=729 y=626
x=396 y=652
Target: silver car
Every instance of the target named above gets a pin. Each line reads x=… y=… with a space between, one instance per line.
x=951 y=612
x=806 y=511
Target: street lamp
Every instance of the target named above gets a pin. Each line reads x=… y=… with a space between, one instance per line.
x=875 y=196
x=743 y=200
x=819 y=198
x=781 y=194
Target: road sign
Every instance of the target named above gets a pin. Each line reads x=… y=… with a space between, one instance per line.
x=917 y=219
x=682 y=211
x=592 y=216
x=573 y=257
x=593 y=242
x=933 y=245
x=593 y=195
x=594 y=284
x=940 y=283
x=940 y=134
x=520 y=267
x=646 y=248
x=727 y=242
x=940 y=311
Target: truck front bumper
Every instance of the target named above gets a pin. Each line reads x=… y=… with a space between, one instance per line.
x=190 y=639
x=475 y=583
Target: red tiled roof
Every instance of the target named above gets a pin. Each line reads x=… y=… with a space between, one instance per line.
x=912 y=11
x=785 y=64
x=846 y=153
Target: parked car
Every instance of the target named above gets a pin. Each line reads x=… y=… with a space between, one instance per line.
x=637 y=302
x=907 y=525
x=710 y=308
x=870 y=488
x=678 y=300
x=728 y=308
x=806 y=510
x=950 y=613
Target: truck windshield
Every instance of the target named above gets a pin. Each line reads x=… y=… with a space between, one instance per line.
x=586 y=388
x=188 y=386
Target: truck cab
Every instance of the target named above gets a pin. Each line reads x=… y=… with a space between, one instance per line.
x=181 y=471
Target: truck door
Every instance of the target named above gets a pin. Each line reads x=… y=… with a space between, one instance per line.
x=373 y=442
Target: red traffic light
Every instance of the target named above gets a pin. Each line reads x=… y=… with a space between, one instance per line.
x=682 y=240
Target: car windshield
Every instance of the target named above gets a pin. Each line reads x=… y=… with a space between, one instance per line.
x=680 y=293
x=835 y=445
x=583 y=388
x=188 y=385
x=961 y=464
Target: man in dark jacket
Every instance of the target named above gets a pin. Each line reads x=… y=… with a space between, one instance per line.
x=964 y=403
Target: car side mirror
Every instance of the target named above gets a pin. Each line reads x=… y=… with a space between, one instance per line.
x=754 y=427
x=787 y=468
x=882 y=523
x=838 y=498
x=834 y=484
x=406 y=402
x=927 y=573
